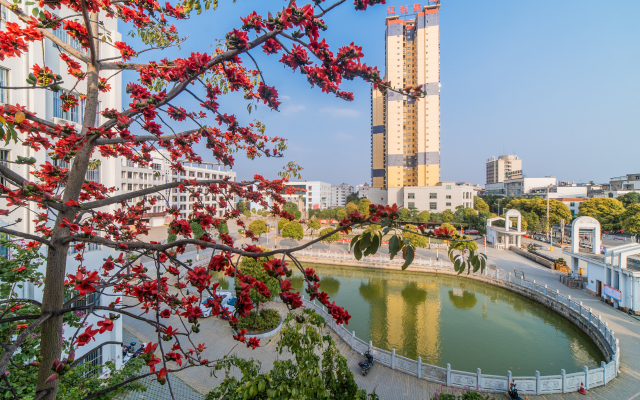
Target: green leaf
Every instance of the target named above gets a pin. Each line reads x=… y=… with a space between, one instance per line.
x=386 y=230
x=366 y=240
x=373 y=247
x=353 y=242
x=15 y=135
x=357 y=252
x=7 y=138
x=393 y=246
x=408 y=257
x=35 y=12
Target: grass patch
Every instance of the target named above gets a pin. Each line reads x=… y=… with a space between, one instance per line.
x=265 y=321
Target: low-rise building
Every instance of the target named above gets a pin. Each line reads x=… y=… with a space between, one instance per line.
x=522 y=186
x=573 y=203
x=443 y=196
x=494 y=189
x=559 y=191
x=339 y=195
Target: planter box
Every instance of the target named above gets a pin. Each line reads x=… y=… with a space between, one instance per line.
x=266 y=334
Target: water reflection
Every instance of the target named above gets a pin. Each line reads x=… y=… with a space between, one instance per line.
x=438 y=318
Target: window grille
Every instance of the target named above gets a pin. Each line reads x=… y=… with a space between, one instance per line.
x=4 y=79
x=74 y=114
x=95 y=360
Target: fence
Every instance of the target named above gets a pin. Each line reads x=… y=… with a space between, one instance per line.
x=376 y=258
x=536 y=385
x=622 y=238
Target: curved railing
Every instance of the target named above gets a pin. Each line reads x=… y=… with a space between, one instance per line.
x=536 y=385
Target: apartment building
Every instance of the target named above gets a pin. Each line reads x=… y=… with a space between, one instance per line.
x=46 y=105
x=522 y=186
x=437 y=198
x=503 y=168
x=316 y=195
x=405 y=133
x=363 y=190
x=339 y=194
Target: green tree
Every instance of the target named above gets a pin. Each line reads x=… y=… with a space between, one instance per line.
x=607 y=211
x=317 y=369
x=405 y=214
x=290 y=207
x=363 y=206
x=196 y=229
x=353 y=198
x=293 y=230
x=258 y=227
x=329 y=239
x=464 y=243
x=447 y=216
x=479 y=204
x=538 y=205
x=415 y=240
x=452 y=230
x=297 y=215
x=424 y=216
x=253 y=210
x=341 y=213
x=247 y=213
x=629 y=199
x=436 y=217
x=281 y=223
x=313 y=225
x=253 y=267
x=470 y=214
x=223 y=228
x=241 y=206
x=631 y=219
x=350 y=207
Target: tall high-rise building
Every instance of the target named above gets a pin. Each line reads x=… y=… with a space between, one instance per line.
x=405 y=133
x=503 y=168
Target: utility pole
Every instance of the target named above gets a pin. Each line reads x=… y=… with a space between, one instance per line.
x=548 y=224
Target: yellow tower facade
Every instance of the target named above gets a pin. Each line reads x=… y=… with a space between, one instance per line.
x=405 y=133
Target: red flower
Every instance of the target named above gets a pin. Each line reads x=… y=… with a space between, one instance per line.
x=86 y=336
x=106 y=325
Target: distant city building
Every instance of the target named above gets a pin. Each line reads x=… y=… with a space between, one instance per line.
x=339 y=195
x=316 y=195
x=363 y=190
x=437 y=198
x=405 y=133
x=521 y=186
x=503 y=168
x=494 y=189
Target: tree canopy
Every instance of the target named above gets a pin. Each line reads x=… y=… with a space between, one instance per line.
x=631 y=219
x=607 y=211
x=313 y=224
x=329 y=239
x=363 y=206
x=629 y=199
x=293 y=230
x=414 y=239
x=479 y=204
x=538 y=206
x=281 y=223
x=258 y=227
x=447 y=216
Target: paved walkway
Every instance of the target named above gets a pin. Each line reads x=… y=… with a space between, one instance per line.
x=390 y=384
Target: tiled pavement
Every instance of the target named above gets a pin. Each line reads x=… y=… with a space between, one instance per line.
x=390 y=384
x=156 y=391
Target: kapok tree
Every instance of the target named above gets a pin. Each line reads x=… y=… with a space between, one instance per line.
x=71 y=211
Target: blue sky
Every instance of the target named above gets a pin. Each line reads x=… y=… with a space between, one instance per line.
x=555 y=82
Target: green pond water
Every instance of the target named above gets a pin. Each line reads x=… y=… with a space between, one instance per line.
x=453 y=320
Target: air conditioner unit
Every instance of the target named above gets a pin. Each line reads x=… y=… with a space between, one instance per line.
x=60 y=121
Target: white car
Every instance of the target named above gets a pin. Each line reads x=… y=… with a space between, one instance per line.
x=227 y=301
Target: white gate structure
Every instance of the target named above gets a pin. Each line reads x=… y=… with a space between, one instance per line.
x=535 y=385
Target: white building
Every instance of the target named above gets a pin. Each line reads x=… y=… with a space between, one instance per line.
x=339 y=195
x=559 y=191
x=46 y=105
x=315 y=194
x=521 y=186
x=494 y=189
x=614 y=276
x=442 y=196
x=363 y=190
x=573 y=203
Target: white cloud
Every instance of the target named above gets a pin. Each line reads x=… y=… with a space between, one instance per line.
x=292 y=109
x=341 y=112
x=284 y=97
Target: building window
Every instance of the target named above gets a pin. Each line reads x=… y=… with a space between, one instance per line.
x=74 y=114
x=4 y=80
x=94 y=359
x=411 y=195
x=412 y=205
x=448 y=196
x=433 y=206
x=4 y=156
x=433 y=195
x=572 y=204
x=448 y=204
x=448 y=186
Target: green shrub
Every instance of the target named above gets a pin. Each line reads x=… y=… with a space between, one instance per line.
x=465 y=396
x=265 y=321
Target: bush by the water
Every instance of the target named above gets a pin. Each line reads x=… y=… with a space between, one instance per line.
x=464 y=396
x=267 y=319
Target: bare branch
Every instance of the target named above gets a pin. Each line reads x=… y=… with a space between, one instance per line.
x=146 y=138
x=76 y=362
x=26 y=236
x=87 y=22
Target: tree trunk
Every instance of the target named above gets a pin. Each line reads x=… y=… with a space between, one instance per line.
x=53 y=295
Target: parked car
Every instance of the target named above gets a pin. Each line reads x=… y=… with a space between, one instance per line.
x=227 y=301
x=471 y=232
